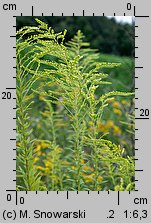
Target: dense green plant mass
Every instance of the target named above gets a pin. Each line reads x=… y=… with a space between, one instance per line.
x=60 y=145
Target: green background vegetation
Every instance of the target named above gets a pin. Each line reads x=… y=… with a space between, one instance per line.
x=104 y=34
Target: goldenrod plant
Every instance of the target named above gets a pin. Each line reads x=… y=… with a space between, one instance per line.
x=59 y=142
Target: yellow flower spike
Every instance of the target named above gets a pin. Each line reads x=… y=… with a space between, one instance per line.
x=124 y=102
x=90 y=123
x=116 y=104
x=86 y=168
x=99 y=188
x=46 y=113
x=88 y=178
x=110 y=124
x=73 y=168
x=47 y=169
x=48 y=164
x=82 y=161
x=36 y=159
x=59 y=150
x=66 y=163
x=27 y=98
x=111 y=100
x=117 y=130
x=100 y=179
x=39 y=153
x=41 y=98
x=102 y=127
x=44 y=145
x=37 y=149
x=117 y=111
x=40 y=168
x=18 y=144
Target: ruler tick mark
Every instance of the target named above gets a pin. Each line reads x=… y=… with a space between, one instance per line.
x=118 y=198
x=16 y=197
x=32 y=11
x=138 y=67
x=142 y=16
x=144 y=118
x=134 y=10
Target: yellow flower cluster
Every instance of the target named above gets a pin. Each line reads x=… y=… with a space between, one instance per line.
x=91 y=177
x=87 y=168
x=88 y=178
x=116 y=104
x=45 y=160
x=46 y=113
x=109 y=125
x=117 y=108
x=117 y=111
x=124 y=102
x=29 y=97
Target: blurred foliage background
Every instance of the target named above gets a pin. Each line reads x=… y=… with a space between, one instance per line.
x=103 y=33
